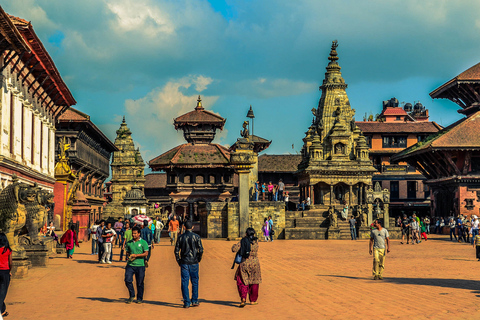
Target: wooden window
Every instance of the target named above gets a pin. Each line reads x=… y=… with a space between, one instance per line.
x=394 y=190
x=394 y=141
x=411 y=189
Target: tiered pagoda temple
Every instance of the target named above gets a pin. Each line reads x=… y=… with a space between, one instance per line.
x=335 y=166
x=198 y=171
x=127 y=170
x=450 y=159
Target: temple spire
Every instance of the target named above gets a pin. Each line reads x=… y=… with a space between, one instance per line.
x=333 y=52
x=199 y=104
x=123 y=121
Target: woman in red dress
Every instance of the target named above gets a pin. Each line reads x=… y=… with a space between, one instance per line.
x=70 y=240
x=5 y=267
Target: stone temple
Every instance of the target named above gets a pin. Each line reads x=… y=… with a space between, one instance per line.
x=335 y=168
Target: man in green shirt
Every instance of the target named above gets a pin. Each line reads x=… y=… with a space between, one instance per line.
x=136 y=251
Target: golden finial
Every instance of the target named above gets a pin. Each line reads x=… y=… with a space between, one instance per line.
x=199 y=103
x=333 y=51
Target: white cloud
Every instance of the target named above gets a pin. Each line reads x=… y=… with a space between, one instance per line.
x=151 y=118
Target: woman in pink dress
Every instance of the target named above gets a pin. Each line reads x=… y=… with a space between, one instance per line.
x=265 y=228
x=70 y=240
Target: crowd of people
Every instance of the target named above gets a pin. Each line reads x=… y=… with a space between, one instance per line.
x=270 y=192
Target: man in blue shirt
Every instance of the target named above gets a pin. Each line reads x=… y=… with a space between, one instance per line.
x=100 y=239
x=147 y=235
x=460 y=228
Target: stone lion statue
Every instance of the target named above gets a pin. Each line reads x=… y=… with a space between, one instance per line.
x=332 y=216
x=13 y=213
x=36 y=216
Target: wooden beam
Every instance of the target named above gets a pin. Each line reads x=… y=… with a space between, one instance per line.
x=7 y=61
x=40 y=85
x=18 y=60
x=30 y=71
x=36 y=79
x=423 y=170
x=25 y=65
x=467 y=94
x=466 y=164
x=441 y=164
x=475 y=93
x=448 y=157
x=435 y=172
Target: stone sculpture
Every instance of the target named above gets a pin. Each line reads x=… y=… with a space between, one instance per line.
x=332 y=216
x=13 y=213
x=36 y=216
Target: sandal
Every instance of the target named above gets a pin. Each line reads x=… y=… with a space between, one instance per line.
x=254 y=303
x=5 y=314
x=242 y=304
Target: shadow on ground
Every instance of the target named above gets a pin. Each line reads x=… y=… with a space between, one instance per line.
x=157 y=303
x=473 y=285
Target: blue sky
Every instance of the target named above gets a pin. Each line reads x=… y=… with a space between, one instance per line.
x=150 y=59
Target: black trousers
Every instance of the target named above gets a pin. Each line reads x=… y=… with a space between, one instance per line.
x=4 y=283
x=478 y=252
x=100 y=251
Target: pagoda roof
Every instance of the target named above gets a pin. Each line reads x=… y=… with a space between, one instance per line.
x=398 y=127
x=472 y=74
x=76 y=116
x=36 y=56
x=155 y=180
x=9 y=32
x=279 y=162
x=389 y=111
x=259 y=143
x=461 y=135
x=192 y=156
x=199 y=116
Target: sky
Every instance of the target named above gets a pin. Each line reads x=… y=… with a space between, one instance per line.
x=150 y=59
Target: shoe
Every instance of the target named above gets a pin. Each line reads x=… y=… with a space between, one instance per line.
x=375 y=278
x=139 y=301
x=129 y=300
x=109 y=262
x=195 y=304
x=102 y=261
x=146 y=264
x=254 y=303
x=401 y=242
x=380 y=278
x=186 y=306
x=242 y=304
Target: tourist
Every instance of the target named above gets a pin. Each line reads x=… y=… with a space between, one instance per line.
x=442 y=224
x=248 y=274
x=466 y=229
x=475 y=227
x=270 y=191
x=398 y=222
x=51 y=232
x=281 y=187
x=345 y=212
x=93 y=233
x=427 y=224
x=188 y=252
x=173 y=226
x=257 y=190
x=476 y=244
x=100 y=239
x=265 y=228
x=405 y=228
x=275 y=192
x=5 y=270
x=70 y=240
x=451 y=224
x=271 y=232
x=423 y=230
x=158 y=229
x=459 y=226
x=146 y=235
x=308 y=202
x=413 y=229
x=437 y=225
x=378 y=237
x=127 y=236
x=118 y=230
x=136 y=251
x=108 y=236
x=264 y=190
x=353 y=230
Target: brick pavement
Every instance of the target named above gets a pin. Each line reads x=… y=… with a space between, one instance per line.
x=302 y=279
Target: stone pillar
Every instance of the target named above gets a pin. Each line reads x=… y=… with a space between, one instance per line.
x=242 y=159
x=350 y=194
x=370 y=211
x=360 y=194
x=312 y=194
x=195 y=209
x=331 y=194
x=386 y=216
x=321 y=195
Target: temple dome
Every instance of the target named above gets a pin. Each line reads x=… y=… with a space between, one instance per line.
x=135 y=193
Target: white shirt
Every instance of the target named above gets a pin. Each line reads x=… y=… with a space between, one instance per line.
x=308 y=201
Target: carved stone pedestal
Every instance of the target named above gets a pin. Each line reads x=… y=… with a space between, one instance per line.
x=39 y=254
x=333 y=233
x=20 y=268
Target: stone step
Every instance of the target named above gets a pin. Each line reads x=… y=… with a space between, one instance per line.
x=305 y=233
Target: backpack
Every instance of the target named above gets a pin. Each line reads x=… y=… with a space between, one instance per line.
x=243 y=253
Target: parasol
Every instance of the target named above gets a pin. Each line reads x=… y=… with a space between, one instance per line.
x=138 y=219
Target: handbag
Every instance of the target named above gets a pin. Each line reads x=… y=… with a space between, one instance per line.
x=237 y=260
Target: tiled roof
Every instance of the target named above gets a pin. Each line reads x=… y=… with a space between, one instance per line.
x=401 y=127
x=469 y=75
x=10 y=33
x=462 y=134
x=155 y=180
x=394 y=112
x=199 y=115
x=73 y=114
x=278 y=162
x=192 y=155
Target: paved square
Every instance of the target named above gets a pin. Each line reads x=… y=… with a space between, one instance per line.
x=302 y=279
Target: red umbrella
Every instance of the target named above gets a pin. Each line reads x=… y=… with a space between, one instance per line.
x=138 y=219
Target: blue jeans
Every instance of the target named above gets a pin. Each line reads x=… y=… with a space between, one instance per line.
x=189 y=272
x=157 y=235
x=474 y=233
x=452 y=231
x=256 y=195
x=94 y=246
x=139 y=273
x=353 y=233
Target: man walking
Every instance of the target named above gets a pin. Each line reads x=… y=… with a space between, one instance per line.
x=173 y=226
x=353 y=229
x=158 y=229
x=378 y=237
x=405 y=228
x=136 y=251
x=118 y=226
x=100 y=239
x=271 y=232
x=281 y=187
x=146 y=235
x=188 y=252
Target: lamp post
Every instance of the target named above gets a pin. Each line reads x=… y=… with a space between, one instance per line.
x=251 y=116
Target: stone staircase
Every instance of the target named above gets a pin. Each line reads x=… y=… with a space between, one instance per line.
x=314 y=224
